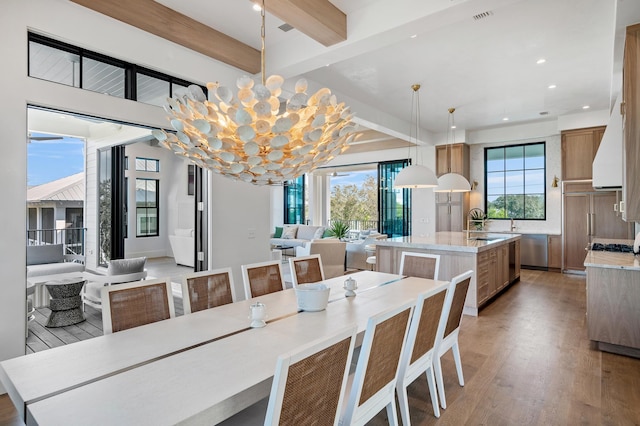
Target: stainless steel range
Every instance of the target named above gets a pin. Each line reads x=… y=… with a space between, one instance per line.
x=615 y=248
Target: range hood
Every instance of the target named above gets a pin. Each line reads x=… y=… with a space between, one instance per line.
x=607 y=165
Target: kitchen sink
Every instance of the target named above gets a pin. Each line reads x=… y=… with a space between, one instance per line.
x=486 y=239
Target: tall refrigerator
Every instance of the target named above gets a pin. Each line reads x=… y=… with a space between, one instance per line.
x=589 y=214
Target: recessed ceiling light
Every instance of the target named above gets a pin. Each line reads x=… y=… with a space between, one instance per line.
x=541 y=61
x=585 y=107
x=453 y=127
x=257 y=7
x=414 y=36
x=505 y=119
x=552 y=86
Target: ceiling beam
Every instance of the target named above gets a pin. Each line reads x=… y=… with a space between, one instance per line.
x=158 y=19
x=319 y=19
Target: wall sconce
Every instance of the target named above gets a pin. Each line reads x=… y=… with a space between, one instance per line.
x=474 y=185
x=554 y=183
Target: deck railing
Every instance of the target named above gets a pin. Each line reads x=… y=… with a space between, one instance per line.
x=357 y=224
x=72 y=238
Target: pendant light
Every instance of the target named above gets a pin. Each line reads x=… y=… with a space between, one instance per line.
x=452 y=182
x=253 y=136
x=415 y=175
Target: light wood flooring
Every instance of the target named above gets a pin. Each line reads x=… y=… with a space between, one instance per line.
x=526 y=361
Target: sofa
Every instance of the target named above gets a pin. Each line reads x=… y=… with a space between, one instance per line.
x=296 y=235
x=356 y=253
x=46 y=260
x=182 y=246
x=49 y=259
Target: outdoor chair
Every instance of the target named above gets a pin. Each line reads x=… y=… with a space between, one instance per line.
x=262 y=278
x=207 y=289
x=119 y=271
x=134 y=304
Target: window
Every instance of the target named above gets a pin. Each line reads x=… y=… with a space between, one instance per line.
x=147 y=165
x=515 y=182
x=147 y=196
x=64 y=63
x=395 y=204
x=294 y=201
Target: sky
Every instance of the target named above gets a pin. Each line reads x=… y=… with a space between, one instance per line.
x=352 y=177
x=53 y=159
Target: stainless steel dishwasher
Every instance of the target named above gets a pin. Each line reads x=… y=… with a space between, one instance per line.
x=533 y=251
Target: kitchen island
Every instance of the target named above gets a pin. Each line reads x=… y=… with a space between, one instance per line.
x=613 y=301
x=494 y=258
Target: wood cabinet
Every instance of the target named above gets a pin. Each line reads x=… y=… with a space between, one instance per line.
x=613 y=318
x=493 y=272
x=579 y=148
x=554 y=252
x=452 y=158
x=631 y=125
x=451 y=208
x=589 y=214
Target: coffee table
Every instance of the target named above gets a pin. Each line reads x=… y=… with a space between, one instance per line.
x=66 y=302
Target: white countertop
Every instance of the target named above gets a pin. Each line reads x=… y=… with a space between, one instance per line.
x=451 y=241
x=606 y=259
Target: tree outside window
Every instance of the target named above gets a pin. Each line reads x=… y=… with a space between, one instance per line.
x=515 y=182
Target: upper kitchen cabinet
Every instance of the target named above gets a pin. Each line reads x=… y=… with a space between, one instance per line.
x=631 y=124
x=579 y=148
x=452 y=158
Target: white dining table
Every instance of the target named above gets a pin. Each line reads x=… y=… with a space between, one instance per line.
x=37 y=376
x=162 y=377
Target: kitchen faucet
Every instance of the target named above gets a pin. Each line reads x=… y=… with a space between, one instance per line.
x=513 y=225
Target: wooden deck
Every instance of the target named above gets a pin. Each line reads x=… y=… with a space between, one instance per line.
x=41 y=338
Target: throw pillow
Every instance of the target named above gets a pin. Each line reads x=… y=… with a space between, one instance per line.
x=319 y=233
x=289 y=232
x=126 y=266
x=278 y=232
x=326 y=233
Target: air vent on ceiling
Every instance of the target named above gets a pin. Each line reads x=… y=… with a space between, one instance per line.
x=285 y=27
x=482 y=15
x=544 y=112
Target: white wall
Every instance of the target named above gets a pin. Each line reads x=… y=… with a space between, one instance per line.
x=77 y=25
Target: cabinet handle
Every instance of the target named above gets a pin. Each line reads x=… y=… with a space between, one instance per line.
x=592 y=224
x=589 y=224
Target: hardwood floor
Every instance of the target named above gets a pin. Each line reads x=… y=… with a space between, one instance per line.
x=526 y=361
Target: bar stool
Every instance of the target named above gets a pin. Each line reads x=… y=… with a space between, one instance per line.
x=371 y=260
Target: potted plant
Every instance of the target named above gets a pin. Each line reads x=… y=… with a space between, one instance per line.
x=339 y=229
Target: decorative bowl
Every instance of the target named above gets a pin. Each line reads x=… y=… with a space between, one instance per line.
x=312 y=297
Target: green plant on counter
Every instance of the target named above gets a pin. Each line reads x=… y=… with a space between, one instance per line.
x=339 y=229
x=478 y=217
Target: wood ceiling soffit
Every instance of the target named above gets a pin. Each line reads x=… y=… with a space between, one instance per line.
x=164 y=22
x=319 y=19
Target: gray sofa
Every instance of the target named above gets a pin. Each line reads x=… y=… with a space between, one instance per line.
x=50 y=259
x=297 y=235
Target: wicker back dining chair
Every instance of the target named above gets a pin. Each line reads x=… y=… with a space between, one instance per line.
x=134 y=304
x=306 y=269
x=207 y=289
x=308 y=387
x=374 y=381
x=262 y=278
x=458 y=289
x=421 y=265
x=427 y=325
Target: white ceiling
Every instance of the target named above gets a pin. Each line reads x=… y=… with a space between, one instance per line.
x=485 y=68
